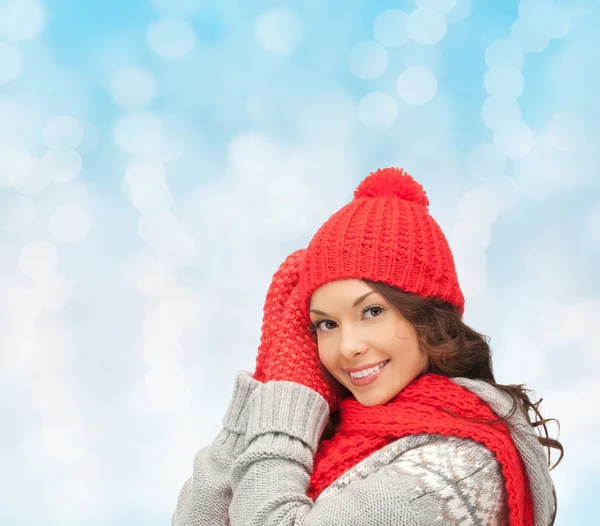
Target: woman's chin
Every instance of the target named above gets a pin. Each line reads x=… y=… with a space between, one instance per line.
x=372 y=398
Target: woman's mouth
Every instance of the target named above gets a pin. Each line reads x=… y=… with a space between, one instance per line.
x=367 y=376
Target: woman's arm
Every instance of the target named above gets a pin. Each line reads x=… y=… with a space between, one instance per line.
x=206 y=495
x=444 y=482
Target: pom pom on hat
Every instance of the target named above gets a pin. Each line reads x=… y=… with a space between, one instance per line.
x=392 y=182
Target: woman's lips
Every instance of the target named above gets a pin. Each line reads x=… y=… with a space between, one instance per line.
x=366 y=380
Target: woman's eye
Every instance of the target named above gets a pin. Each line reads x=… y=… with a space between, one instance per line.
x=327 y=325
x=376 y=311
x=323 y=323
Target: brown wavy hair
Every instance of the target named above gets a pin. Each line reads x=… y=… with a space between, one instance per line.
x=456 y=350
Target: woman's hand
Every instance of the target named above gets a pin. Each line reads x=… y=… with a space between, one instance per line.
x=288 y=350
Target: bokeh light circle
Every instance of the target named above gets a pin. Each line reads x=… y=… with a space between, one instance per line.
x=10 y=62
x=63 y=132
x=426 y=26
x=133 y=88
x=417 y=85
x=279 y=30
x=377 y=110
x=171 y=38
x=367 y=60
x=69 y=224
x=389 y=28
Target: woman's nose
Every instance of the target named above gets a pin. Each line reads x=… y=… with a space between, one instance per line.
x=351 y=344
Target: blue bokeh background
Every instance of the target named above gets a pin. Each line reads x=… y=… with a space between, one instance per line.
x=160 y=158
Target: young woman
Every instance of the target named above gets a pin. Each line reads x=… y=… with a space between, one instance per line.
x=372 y=402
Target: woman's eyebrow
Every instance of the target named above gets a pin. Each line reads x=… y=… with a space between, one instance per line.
x=358 y=301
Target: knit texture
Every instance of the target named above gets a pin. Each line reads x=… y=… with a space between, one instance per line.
x=288 y=348
x=446 y=479
x=384 y=234
x=282 y=283
x=531 y=453
x=205 y=497
x=261 y=477
x=423 y=407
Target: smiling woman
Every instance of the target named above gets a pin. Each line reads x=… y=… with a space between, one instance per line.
x=366 y=345
x=372 y=402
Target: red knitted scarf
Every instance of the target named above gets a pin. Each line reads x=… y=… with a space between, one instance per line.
x=421 y=408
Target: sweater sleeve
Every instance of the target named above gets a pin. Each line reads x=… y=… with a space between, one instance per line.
x=270 y=478
x=205 y=497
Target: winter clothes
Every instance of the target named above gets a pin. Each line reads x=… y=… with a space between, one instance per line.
x=288 y=350
x=257 y=471
x=384 y=234
x=431 y=404
x=427 y=457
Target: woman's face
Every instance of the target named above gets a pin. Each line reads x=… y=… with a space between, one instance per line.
x=358 y=329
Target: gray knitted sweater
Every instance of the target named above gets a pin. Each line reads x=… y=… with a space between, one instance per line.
x=257 y=470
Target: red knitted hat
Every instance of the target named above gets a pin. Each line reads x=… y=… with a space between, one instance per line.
x=384 y=234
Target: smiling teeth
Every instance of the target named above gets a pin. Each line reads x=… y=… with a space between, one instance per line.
x=367 y=372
